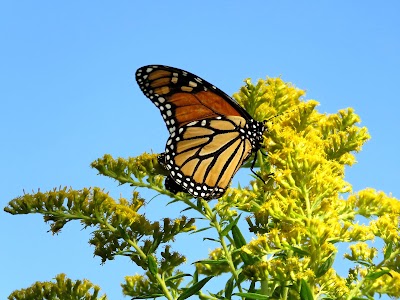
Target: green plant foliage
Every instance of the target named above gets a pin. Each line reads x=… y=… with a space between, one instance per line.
x=298 y=216
x=63 y=289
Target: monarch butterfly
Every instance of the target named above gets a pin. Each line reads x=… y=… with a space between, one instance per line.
x=211 y=135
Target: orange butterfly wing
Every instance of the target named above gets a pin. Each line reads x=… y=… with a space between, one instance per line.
x=211 y=135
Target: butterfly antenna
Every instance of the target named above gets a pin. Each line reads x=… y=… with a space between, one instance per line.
x=277 y=115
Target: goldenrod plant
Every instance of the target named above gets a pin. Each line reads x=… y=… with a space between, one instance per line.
x=63 y=288
x=276 y=239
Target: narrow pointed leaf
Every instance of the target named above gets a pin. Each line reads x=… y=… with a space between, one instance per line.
x=196 y=276
x=200 y=230
x=252 y=296
x=229 y=288
x=212 y=262
x=305 y=291
x=152 y=264
x=177 y=277
x=240 y=242
x=194 y=288
x=298 y=251
x=325 y=266
x=238 y=237
x=388 y=251
x=376 y=275
x=211 y=239
x=150 y=296
x=230 y=225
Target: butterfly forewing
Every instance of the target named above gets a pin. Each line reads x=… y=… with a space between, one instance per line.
x=183 y=97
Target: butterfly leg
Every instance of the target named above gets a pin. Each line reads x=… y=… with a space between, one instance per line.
x=252 y=166
x=161 y=160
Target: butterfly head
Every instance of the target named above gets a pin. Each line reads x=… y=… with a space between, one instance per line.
x=255 y=132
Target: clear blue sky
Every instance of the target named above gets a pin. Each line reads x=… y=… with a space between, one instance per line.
x=68 y=96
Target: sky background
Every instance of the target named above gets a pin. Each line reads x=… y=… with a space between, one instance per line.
x=68 y=96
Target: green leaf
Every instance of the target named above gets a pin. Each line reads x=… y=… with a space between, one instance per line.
x=152 y=264
x=241 y=276
x=389 y=250
x=173 y=201
x=298 y=251
x=364 y=263
x=230 y=225
x=238 y=237
x=210 y=239
x=325 y=266
x=246 y=258
x=200 y=230
x=229 y=288
x=240 y=242
x=305 y=291
x=212 y=262
x=194 y=288
x=252 y=296
x=186 y=209
x=177 y=277
x=196 y=276
x=375 y=275
x=150 y=296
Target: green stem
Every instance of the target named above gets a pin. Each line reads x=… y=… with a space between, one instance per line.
x=264 y=287
x=212 y=217
x=357 y=289
x=308 y=204
x=133 y=243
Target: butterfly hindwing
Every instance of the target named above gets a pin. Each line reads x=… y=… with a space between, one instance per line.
x=203 y=156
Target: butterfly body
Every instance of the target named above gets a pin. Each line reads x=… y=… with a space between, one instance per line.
x=211 y=135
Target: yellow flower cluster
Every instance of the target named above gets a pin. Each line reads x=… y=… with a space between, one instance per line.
x=300 y=214
x=361 y=251
x=63 y=288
